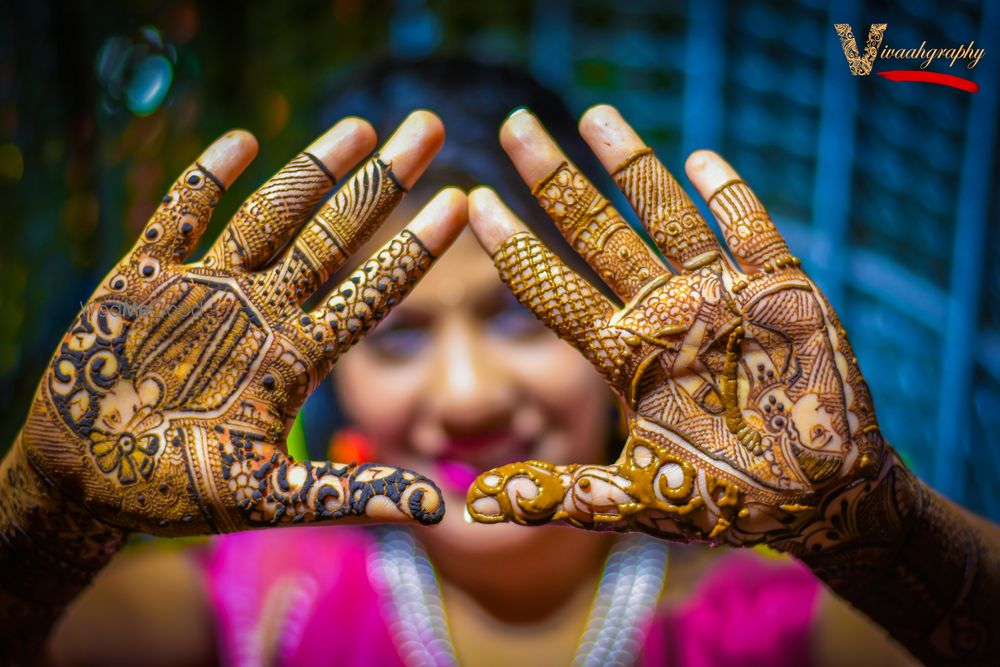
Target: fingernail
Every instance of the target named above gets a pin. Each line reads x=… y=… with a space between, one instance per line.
x=516 y=110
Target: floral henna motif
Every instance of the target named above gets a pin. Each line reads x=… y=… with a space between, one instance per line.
x=167 y=404
x=166 y=407
x=567 y=303
x=187 y=395
x=749 y=231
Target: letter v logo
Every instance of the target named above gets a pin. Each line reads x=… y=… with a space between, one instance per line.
x=860 y=65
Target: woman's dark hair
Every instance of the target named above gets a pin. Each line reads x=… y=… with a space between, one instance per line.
x=472 y=99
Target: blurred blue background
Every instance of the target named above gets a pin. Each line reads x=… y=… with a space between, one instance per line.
x=888 y=191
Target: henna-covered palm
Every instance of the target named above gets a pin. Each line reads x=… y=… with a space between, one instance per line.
x=748 y=417
x=167 y=404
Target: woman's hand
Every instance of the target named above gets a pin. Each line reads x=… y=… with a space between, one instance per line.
x=166 y=406
x=747 y=412
x=749 y=420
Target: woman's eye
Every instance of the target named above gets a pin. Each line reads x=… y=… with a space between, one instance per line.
x=398 y=343
x=515 y=322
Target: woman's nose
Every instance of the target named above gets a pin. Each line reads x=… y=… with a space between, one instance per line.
x=470 y=390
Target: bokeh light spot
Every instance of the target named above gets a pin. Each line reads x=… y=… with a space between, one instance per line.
x=11 y=163
x=149 y=84
x=137 y=74
x=276 y=109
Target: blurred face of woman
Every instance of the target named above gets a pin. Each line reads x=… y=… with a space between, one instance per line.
x=461 y=378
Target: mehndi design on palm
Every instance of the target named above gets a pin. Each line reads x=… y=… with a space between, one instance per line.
x=167 y=404
x=747 y=412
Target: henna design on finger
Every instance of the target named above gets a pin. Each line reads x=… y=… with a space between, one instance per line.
x=358 y=304
x=668 y=213
x=542 y=505
x=271 y=489
x=563 y=300
x=595 y=230
x=170 y=234
x=650 y=489
x=269 y=216
x=746 y=226
x=339 y=228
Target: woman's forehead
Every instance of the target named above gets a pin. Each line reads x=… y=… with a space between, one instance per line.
x=463 y=275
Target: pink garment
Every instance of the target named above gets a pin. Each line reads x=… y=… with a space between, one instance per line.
x=305 y=597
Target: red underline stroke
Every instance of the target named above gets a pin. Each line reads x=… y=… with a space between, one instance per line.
x=931 y=77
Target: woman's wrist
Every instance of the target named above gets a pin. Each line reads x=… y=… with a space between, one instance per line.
x=50 y=549
x=857 y=530
x=901 y=554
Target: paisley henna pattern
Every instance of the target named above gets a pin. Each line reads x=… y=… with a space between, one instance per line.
x=166 y=406
x=749 y=422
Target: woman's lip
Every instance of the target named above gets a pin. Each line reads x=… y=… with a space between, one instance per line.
x=455 y=475
x=463 y=444
x=464 y=457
